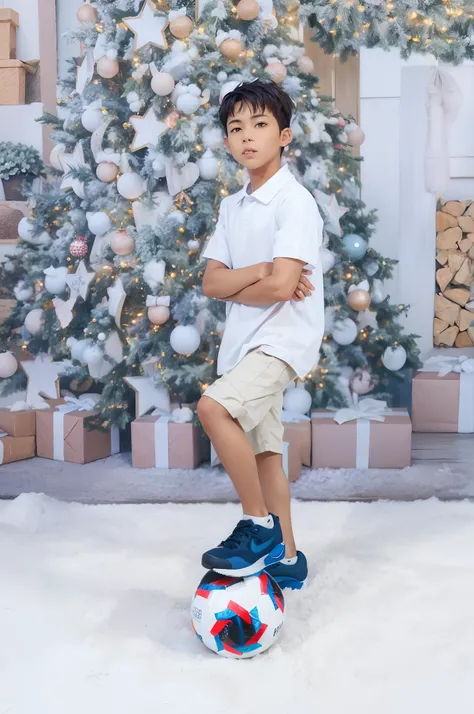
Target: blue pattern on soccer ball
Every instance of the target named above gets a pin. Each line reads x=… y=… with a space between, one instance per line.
x=354 y=245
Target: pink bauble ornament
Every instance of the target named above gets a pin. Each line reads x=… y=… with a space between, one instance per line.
x=106 y=171
x=231 y=49
x=181 y=26
x=248 y=10
x=355 y=135
x=158 y=314
x=305 y=64
x=78 y=247
x=359 y=300
x=362 y=382
x=107 y=67
x=172 y=119
x=87 y=13
x=276 y=70
x=121 y=242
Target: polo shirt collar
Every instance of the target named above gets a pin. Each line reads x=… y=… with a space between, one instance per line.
x=270 y=188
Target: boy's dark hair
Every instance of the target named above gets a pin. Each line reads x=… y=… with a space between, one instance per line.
x=260 y=96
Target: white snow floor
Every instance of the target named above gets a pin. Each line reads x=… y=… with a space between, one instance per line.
x=94 y=611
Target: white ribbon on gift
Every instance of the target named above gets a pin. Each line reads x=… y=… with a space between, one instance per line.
x=152 y=300
x=86 y=402
x=363 y=412
x=2 y=452
x=162 y=441
x=24 y=406
x=464 y=366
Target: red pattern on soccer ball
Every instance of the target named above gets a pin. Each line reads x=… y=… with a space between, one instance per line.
x=78 y=247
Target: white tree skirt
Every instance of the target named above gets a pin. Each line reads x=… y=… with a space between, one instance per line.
x=94 y=611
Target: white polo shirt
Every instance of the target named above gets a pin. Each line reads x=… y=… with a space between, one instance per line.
x=278 y=220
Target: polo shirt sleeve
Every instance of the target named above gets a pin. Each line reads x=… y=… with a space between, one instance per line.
x=299 y=229
x=218 y=245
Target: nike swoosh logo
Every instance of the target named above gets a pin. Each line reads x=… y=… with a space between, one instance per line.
x=279 y=555
x=259 y=548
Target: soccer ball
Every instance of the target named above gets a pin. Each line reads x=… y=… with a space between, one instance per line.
x=237 y=617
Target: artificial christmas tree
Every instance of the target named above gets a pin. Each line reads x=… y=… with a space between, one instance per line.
x=141 y=169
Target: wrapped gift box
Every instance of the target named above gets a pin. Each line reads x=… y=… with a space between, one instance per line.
x=62 y=435
x=159 y=442
x=443 y=400
x=362 y=442
x=9 y=21
x=16 y=448
x=297 y=435
x=18 y=423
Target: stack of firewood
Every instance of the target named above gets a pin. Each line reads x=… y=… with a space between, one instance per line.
x=454 y=302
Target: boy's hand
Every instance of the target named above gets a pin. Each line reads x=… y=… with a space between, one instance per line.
x=264 y=270
x=304 y=287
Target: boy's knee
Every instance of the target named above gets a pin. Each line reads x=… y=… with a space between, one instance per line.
x=208 y=409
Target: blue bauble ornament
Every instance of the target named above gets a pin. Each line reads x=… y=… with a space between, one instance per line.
x=354 y=245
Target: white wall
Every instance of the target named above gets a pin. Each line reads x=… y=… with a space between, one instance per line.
x=393 y=116
x=66 y=20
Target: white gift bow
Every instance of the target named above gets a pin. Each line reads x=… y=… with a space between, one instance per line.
x=173 y=14
x=289 y=416
x=444 y=365
x=370 y=409
x=231 y=35
x=364 y=285
x=152 y=300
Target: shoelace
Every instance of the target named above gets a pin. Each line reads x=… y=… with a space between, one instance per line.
x=242 y=532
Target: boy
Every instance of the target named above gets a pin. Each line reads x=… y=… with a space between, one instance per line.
x=265 y=236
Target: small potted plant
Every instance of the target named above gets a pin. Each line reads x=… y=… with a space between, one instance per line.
x=19 y=163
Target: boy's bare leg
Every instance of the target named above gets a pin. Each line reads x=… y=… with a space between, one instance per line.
x=235 y=452
x=276 y=492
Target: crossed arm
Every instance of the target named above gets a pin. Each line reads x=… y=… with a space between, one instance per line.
x=260 y=284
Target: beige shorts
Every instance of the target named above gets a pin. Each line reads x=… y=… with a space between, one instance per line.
x=252 y=393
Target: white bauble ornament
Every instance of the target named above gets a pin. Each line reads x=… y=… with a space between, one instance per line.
x=188 y=103
x=185 y=339
x=222 y=76
x=25 y=231
x=297 y=399
x=130 y=185
x=212 y=137
x=55 y=282
x=193 y=244
x=328 y=259
x=162 y=84
x=228 y=87
x=208 y=166
x=106 y=171
x=182 y=415
x=121 y=242
x=377 y=292
x=355 y=135
x=344 y=332
x=102 y=336
x=158 y=314
x=93 y=354
x=34 y=321
x=55 y=156
x=8 y=365
x=394 y=358
x=78 y=348
x=99 y=223
x=107 y=67
x=91 y=119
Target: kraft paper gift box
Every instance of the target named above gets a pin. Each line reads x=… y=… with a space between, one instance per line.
x=443 y=396
x=377 y=438
x=18 y=422
x=159 y=442
x=62 y=435
x=297 y=435
x=16 y=448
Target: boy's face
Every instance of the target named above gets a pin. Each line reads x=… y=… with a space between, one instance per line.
x=254 y=137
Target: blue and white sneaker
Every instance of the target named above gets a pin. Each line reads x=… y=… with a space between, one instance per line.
x=290 y=576
x=248 y=550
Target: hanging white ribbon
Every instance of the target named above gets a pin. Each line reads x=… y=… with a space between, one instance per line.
x=443 y=101
x=97 y=138
x=161 y=428
x=464 y=366
x=155 y=300
x=364 y=412
x=266 y=12
x=85 y=72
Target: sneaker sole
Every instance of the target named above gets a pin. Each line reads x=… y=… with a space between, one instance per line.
x=289 y=583
x=274 y=556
